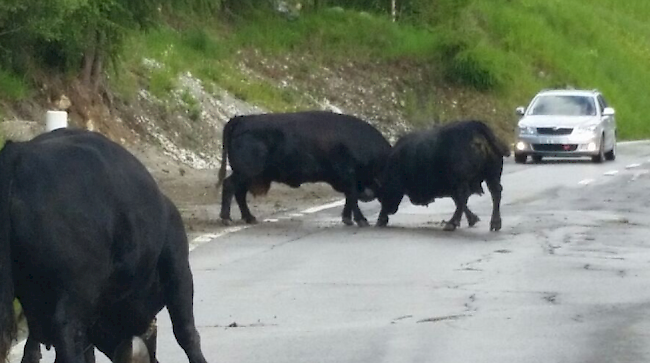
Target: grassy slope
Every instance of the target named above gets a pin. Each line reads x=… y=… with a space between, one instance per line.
x=603 y=44
x=508 y=48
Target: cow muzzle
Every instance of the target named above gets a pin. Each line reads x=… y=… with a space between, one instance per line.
x=367 y=195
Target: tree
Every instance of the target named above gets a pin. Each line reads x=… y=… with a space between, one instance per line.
x=77 y=35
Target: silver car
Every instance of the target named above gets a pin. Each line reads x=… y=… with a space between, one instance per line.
x=566 y=123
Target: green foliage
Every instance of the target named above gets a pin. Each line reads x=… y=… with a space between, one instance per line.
x=59 y=34
x=193 y=107
x=336 y=35
x=161 y=82
x=579 y=43
x=198 y=51
x=506 y=49
x=12 y=87
x=480 y=67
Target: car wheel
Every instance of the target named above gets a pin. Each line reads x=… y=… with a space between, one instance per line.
x=611 y=155
x=601 y=152
x=520 y=158
x=537 y=158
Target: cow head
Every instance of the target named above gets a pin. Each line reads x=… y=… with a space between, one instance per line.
x=371 y=192
x=367 y=195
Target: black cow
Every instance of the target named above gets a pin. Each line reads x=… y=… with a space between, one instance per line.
x=91 y=248
x=449 y=161
x=303 y=147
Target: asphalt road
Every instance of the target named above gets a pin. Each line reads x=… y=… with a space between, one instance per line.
x=567 y=279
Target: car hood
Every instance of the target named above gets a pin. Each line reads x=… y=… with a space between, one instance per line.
x=558 y=121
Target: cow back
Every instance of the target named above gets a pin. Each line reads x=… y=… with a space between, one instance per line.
x=305 y=146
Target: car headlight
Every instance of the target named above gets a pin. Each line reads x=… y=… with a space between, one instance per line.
x=586 y=130
x=526 y=130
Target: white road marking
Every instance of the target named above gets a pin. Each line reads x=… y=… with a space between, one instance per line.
x=338 y=203
x=611 y=173
x=586 y=181
x=632 y=166
x=210 y=236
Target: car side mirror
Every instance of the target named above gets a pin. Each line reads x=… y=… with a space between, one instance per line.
x=608 y=111
x=520 y=110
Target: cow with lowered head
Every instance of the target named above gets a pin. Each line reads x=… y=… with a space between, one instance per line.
x=297 y=148
x=91 y=248
x=448 y=161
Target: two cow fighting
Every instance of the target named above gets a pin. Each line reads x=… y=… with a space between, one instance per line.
x=356 y=160
x=93 y=250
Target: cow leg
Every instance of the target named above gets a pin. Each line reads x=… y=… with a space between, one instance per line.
x=389 y=206
x=472 y=218
x=89 y=354
x=32 y=351
x=178 y=289
x=460 y=199
x=240 y=196
x=347 y=213
x=227 y=191
x=180 y=307
x=352 y=207
x=494 y=185
x=237 y=186
x=70 y=335
x=150 y=340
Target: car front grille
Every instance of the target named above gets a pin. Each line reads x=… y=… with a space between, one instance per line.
x=554 y=131
x=555 y=147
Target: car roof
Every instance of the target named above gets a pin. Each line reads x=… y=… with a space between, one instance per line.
x=569 y=92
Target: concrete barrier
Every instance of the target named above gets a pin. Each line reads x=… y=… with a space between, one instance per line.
x=55 y=120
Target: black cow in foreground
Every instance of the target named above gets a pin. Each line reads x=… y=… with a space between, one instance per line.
x=297 y=148
x=91 y=248
x=449 y=161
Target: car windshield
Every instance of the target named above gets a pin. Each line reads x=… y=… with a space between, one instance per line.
x=563 y=106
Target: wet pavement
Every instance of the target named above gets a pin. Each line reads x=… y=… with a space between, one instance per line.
x=565 y=280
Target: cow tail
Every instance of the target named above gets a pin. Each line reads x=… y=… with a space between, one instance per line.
x=7 y=318
x=227 y=132
x=498 y=146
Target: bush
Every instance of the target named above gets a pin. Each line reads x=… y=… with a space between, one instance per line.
x=480 y=67
x=12 y=87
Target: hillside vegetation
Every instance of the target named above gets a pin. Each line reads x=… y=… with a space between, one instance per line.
x=488 y=55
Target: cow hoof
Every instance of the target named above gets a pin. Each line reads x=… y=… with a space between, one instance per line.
x=348 y=221
x=363 y=223
x=472 y=220
x=449 y=226
x=226 y=221
x=382 y=222
x=495 y=225
x=251 y=220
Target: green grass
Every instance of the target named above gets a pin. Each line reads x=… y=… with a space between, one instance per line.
x=12 y=87
x=505 y=50
x=585 y=44
x=206 y=56
x=337 y=35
